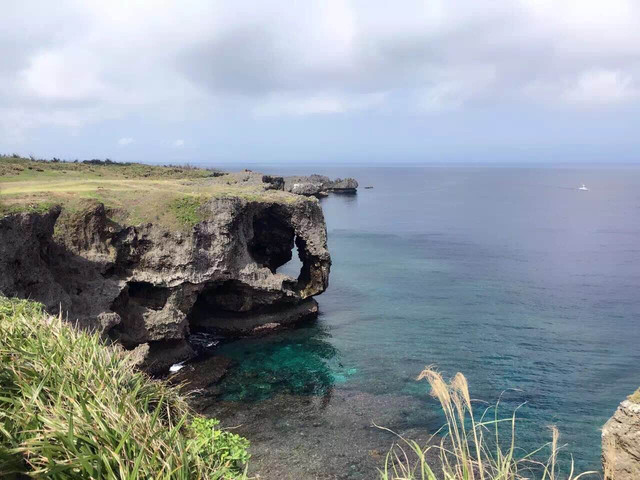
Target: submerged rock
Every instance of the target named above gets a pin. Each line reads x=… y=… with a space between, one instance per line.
x=621 y=443
x=148 y=287
x=319 y=185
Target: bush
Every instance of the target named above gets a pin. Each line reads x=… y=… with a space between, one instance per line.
x=188 y=210
x=71 y=407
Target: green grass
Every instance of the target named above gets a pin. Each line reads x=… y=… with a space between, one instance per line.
x=73 y=408
x=16 y=168
x=635 y=397
x=188 y=210
x=471 y=447
x=26 y=207
x=133 y=193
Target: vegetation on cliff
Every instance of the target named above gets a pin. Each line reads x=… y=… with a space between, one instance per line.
x=133 y=193
x=471 y=447
x=71 y=407
x=635 y=397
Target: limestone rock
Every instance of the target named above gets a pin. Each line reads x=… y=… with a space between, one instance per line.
x=157 y=357
x=148 y=287
x=343 y=185
x=305 y=188
x=621 y=443
x=319 y=185
x=273 y=183
x=202 y=374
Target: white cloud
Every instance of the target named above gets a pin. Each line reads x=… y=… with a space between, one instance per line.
x=320 y=104
x=601 y=87
x=453 y=87
x=170 y=60
x=124 y=141
x=63 y=75
x=178 y=143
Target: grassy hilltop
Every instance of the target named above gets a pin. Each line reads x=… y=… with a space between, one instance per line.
x=134 y=193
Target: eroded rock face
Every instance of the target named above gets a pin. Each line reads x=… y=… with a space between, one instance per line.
x=148 y=287
x=621 y=443
x=319 y=185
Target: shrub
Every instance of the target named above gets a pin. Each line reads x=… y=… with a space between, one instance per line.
x=188 y=210
x=71 y=407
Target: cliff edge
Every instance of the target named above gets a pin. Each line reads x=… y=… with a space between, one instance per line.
x=149 y=284
x=621 y=442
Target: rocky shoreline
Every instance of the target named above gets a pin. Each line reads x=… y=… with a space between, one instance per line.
x=148 y=287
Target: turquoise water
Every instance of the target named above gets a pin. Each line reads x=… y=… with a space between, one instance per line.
x=509 y=275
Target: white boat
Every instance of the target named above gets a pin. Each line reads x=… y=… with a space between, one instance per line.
x=584 y=188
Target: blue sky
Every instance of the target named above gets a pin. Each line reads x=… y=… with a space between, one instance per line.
x=322 y=81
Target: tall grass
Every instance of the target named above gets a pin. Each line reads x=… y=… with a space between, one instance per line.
x=471 y=447
x=71 y=407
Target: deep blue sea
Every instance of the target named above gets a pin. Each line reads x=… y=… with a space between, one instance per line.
x=512 y=276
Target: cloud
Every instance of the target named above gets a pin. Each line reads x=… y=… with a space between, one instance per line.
x=601 y=87
x=319 y=104
x=64 y=76
x=178 y=143
x=110 y=60
x=124 y=141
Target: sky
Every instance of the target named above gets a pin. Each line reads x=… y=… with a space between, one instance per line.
x=328 y=81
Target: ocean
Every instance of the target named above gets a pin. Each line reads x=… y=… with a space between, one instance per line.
x=510 y=275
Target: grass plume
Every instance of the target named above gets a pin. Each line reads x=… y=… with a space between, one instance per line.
x=470 y=447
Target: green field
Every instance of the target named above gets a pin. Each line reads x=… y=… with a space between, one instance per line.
x=133 y=193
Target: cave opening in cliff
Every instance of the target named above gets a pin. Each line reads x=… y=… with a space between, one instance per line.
x=294 y=266
x=275 y=245
x=232 y=302
x=273 y=238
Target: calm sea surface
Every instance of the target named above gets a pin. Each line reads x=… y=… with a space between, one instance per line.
x=512 y=276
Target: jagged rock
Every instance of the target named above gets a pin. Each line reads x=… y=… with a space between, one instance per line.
x=147 y=287
x=25 y=246
x=343 y=185
x=621 y=443
x=274 y=183
x=202 y=374
x=319 y=185
x=157 y=357
x=108 y=320
x=305 y=188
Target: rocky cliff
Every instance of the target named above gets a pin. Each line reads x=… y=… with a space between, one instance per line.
x=621 y=442
x=147 y=286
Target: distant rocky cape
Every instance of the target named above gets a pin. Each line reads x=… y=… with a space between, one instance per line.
x=148 y=288
x=319 y=185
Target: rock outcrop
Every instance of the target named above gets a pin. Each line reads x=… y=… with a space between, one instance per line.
x=319 y=185
x=148 y=287
x=621 y=443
